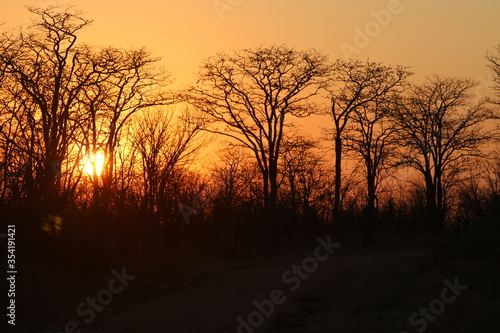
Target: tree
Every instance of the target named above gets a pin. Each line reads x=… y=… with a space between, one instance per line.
x=296 y=151
x=370 y=137
x=307 y=189
x=438 y=128
x=124 y=82
x=42 y=67
x=304 y=172
x=163 y=144
x=249 y=93
x=233 y=176
x=361 y=88
x=19 y=142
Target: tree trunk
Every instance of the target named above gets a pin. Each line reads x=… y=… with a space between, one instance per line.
x=265 y=184
x=439 y=218
x=370 y=212
x=371 y=189
x=273 y=181
x=431 y=206
x=338 y=178
x=337 y=223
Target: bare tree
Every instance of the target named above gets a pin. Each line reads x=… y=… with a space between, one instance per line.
x=306 y=186
x=439 y=128
x=359 y=88
x=233 y=175
x=43 y=64
x=163 y=144
x=124 y=83
x=303 y=171
x=249 y=93
x=65 y=100
x=20 y=138
x=370 y=136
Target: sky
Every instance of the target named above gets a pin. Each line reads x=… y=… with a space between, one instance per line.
x=432 y=36
x=445 y=37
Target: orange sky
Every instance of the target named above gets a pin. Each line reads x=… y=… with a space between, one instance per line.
x=433 y=36
x=447 y=37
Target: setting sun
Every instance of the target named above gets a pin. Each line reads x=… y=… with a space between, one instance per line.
x=93 y=163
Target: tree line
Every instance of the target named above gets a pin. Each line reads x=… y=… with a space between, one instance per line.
x=63 y=103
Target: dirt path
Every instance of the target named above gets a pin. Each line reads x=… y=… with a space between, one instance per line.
x=322 y=302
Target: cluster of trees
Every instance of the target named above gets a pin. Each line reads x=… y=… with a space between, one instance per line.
x=63 y=103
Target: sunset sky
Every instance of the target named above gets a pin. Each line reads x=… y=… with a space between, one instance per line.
x=439 y=36
x=433 y=37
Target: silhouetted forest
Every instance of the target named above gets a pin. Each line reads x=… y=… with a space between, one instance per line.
x=100 y=157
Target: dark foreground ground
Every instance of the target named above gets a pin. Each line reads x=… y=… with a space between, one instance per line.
x=382 y=289
x=325 y=300
x=354 y=291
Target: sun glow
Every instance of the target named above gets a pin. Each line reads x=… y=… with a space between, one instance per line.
x=93 y=164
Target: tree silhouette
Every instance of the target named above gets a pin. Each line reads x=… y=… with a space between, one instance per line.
x=249 y=93
x=304 y=173
x=438 y=128
x=123 y=83
x=359 y=92
x=164 y=144
x=234 y=176
x=43 y=64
